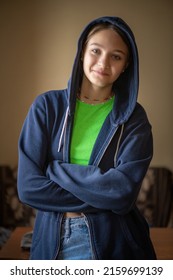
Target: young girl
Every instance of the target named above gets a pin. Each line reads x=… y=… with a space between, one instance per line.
x=84 y=151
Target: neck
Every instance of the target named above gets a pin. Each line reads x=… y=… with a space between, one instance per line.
x=94 y=95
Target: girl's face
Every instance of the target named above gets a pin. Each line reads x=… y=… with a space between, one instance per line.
x=105 y=58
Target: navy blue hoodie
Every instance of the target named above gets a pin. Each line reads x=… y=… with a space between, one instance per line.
x=106 y=190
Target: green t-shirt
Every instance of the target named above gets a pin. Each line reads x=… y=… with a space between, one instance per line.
x=88 y=121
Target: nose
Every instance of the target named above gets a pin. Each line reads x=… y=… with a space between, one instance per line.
x=103 y=62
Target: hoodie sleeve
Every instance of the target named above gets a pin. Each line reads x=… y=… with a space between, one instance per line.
x=116 y=189
x=34 y=187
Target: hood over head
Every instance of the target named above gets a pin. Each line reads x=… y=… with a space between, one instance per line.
x=125 y=87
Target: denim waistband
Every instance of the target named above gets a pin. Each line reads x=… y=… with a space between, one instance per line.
x=74 y=220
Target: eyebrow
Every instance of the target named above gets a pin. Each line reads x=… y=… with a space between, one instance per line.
x=116 y=50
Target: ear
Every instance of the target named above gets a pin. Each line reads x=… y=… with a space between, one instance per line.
x=127 y=64
x=82 y=55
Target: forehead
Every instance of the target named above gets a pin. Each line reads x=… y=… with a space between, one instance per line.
x=107 y=38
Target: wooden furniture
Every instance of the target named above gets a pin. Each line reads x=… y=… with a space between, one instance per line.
x=12 y=249
x=162 y=239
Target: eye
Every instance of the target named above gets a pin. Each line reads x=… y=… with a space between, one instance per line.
x=116 y=57
x=95 y=51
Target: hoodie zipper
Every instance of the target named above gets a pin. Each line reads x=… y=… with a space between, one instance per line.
x=59 y=233
x=118 y=144
x=90 y=238
x=63 y=129
x=97 y=162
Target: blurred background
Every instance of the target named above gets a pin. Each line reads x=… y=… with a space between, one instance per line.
x=38 y=46
x=37 y=49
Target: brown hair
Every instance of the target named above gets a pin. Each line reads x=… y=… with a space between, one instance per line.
x=102 y=26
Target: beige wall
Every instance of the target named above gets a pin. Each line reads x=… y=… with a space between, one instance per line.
x=38 y=42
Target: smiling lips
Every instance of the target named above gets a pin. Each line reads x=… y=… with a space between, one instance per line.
x=100 y=72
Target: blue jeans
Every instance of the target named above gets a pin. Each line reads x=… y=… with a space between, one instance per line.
x=75 y=240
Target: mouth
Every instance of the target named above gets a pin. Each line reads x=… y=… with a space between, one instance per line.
x=100 y=72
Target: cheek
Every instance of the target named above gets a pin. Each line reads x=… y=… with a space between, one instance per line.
x=116 y=72
x=87 y=63
x=89 y=59
x=85 y=66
